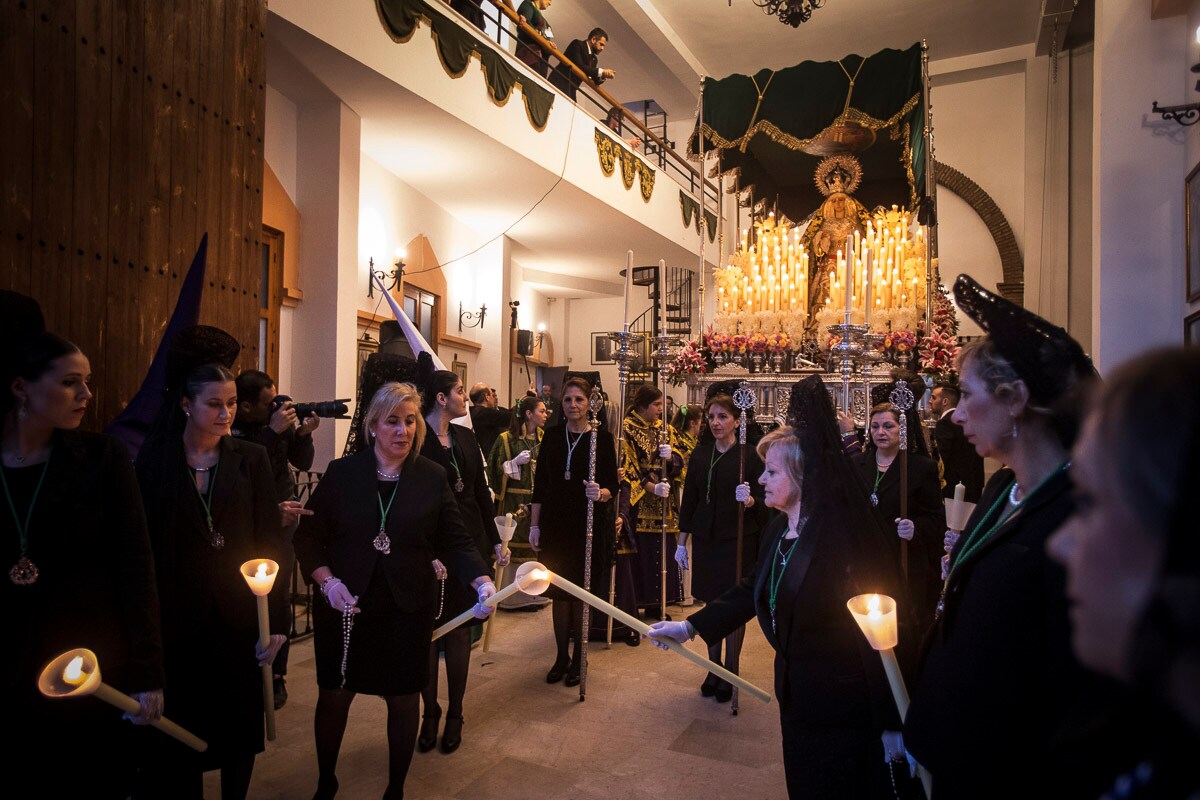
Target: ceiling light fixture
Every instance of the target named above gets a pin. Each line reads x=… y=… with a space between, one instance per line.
x=790 y=12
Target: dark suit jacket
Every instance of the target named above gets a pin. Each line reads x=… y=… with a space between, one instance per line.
x=826 y=674
x=577 y=53
x=425 y=523
x=478 y=510
x=928 y=513
x=489 y=423
x=1000 y=695
x=960 y=462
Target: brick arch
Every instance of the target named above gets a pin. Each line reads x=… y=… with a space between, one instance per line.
x=1011 y=262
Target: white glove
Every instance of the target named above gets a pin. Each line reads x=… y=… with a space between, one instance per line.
x=945 y=567
x=512 y=469
x=522 y=458
x=486 y=590
x=502 y=556
x=664 y=451
x=662 y=489
x=893 y=750
x=742 y=493
x=677 y=631
x=591 y=490
x=950 y=540
x=905 y=529
x=338 y=595
x=266 y=656
x=535 y=537
x=439 y=570
x=681 y=556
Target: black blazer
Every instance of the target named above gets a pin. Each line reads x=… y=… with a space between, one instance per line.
x=478 y=510
x=425 y=523
x=825 y=672
x=245 y=512
x=580 y=55
x=928 y=513
x=1000 y=695
x=960 y=462
x=96 y=587
x=717 y=521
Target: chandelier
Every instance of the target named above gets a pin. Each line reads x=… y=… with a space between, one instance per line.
x=790 y=12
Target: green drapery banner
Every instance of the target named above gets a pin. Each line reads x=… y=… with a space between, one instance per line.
x=759 y=124
x=455 y=46
x=690 y=210
x=609 y=153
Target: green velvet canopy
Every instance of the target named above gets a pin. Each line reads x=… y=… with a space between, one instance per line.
x=759 y=126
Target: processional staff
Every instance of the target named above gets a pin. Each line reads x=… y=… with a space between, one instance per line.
x=902 y=399
x=595 y=403
x=743 y=399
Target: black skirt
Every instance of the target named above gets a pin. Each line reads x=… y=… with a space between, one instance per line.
x=382 y=659
x=714 y=564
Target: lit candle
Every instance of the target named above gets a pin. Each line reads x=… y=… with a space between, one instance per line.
x=73 y=673
x=532 y=578
x=260 y=577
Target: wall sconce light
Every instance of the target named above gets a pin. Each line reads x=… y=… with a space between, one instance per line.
x=541 y=334
x=1187 y=114
x=395 y=276
x=475 y=319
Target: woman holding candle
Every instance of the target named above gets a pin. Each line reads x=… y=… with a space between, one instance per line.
x=558 y=518
x=511 y=468
x=1133 y=566
x=1000 y=697
x=647 y=443
x=708 y=514
x=210 y=507
x=836 y=710
x=924 y=525
x=380 y=518
x=455 y=449
x=78 y=570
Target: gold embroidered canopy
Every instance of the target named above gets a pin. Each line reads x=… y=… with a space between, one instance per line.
x=770 y=130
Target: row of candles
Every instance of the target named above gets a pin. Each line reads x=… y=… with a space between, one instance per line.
x=874 y=271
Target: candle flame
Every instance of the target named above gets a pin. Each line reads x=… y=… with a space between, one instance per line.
x=73 y=674
x=262 y=571
x=539 y=574
x=873 y=612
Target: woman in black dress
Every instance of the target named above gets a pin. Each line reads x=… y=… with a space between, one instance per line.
x=558 y=518
x=210 y=507
x=78 y=572
x=708 y=516
x=456 y=450
x=1000 y=697
x=836 y=712
x=380 y=519
x=925 y=526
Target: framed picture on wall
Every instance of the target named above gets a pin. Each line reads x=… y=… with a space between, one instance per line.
x=459 y=368
x=1191 y=329
x=602 y=349
x=1191 y=212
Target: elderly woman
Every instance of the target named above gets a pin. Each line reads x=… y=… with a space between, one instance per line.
x=78 y=572
x=835 y=709
x=380 y=519
x=1133 y=561
x=925 y=523
x=1000 y=696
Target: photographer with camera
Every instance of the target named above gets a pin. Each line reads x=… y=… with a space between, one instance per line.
x=267 y=418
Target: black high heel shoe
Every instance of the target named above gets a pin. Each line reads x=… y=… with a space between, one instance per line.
x=709 y=687
x=452 y=735
x=557 y=671
x=572 y=674
x=428 y=737
x=326 y=789
x=724 y=691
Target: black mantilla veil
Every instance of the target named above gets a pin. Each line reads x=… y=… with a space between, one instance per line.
x=834 y=497
x=380 y=368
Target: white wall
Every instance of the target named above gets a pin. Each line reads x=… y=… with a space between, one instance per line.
x=1139 y=162
x=279 y=150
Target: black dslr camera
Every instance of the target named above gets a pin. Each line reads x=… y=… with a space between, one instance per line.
x=327 y=409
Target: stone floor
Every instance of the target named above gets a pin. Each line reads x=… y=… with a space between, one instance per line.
x=644 y=731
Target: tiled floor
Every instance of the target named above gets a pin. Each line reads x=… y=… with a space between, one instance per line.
x=644 y=732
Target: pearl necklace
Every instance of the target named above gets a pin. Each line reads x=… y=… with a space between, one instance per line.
x=387 y=476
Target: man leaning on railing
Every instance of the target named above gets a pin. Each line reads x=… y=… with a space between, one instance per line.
x=585 y=56
x=528 y=49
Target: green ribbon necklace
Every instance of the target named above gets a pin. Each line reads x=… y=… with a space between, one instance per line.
x=383 y=542
x=214 y=537
x=713 y=460
x=24 y=572
x=781 y=562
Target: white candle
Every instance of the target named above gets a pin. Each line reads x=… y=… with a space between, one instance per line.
x=628 y=285
x=662 y=296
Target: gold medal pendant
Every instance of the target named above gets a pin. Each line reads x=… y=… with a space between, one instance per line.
x=382 y=543
x=24 y=572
